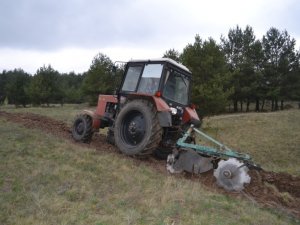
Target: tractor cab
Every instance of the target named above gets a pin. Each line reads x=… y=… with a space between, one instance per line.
x=163 y=78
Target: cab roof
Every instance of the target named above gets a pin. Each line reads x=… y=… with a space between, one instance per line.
x=171 y=61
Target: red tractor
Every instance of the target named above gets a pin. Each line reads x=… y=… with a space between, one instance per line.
x=149 y=112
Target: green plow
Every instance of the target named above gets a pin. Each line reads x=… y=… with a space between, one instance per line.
x=222 y=152
x=230 y=167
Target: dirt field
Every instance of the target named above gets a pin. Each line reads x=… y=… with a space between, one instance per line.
x=273 y=190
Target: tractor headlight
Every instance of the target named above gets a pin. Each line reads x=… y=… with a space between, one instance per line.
x=173 y=111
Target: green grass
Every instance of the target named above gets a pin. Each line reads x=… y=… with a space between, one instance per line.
x=272 y=139
x=48 y=180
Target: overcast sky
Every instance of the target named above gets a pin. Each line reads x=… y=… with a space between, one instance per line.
x=68 y=33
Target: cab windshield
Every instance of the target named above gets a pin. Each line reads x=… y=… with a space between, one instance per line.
x=146 y=83
x=176 y=87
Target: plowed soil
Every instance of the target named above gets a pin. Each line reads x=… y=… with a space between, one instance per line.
x=268 y=189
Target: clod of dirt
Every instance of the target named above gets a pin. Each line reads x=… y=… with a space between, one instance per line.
x=43 y=123
x=283 y=181
x=270 y=189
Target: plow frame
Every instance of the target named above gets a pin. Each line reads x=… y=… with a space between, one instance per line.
x=223 y=152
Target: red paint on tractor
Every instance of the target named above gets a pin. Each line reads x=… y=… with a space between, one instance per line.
x=190 y=114
x=94 y=116
x=102 y=101
x=100 y=110
x=160 y=104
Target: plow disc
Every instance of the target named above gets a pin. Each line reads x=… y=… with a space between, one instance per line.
x=189 y=161
x=232 y=175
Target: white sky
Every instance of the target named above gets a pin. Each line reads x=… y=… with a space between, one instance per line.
x=68 y=33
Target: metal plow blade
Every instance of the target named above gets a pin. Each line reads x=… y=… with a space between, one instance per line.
x=189 y=161
x=232 y=175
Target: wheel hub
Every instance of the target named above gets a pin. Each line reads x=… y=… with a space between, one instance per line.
x=227 y=174
x=134 y=128
x=80 y=128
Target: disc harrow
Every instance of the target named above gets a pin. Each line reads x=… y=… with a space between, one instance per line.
x=230 y=167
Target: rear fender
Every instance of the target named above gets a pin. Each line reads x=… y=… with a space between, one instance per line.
x=164 y=115
x=190 y=116
x=159 y=103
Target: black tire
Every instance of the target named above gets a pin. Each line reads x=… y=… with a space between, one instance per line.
x=82 y=129
x=137 y=130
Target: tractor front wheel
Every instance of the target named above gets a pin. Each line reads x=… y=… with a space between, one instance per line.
x=82 y=129
x=137 y=130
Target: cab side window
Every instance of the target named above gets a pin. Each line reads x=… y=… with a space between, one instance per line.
x=132 y=78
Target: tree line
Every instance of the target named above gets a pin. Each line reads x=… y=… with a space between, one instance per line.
x=48 y=86
x=238 y=71
x=242 y=70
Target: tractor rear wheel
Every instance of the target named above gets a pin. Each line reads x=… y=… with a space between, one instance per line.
x=137 y=130
x=82 y=129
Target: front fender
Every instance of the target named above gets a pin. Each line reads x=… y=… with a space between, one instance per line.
x=95 y=117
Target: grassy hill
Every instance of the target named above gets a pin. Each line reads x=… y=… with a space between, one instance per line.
x=46 y=179
x=272 y=139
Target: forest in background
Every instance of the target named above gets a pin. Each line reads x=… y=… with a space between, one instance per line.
x=239 y=70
